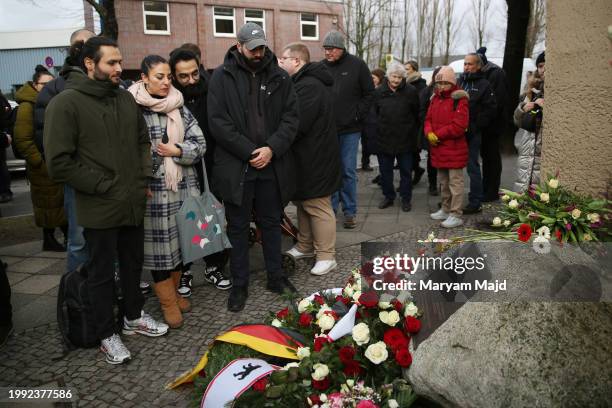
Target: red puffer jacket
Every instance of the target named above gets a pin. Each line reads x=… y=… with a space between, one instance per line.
x=449 y=121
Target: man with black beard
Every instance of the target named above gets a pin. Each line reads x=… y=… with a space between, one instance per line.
x=191 y=79
x=253 y=115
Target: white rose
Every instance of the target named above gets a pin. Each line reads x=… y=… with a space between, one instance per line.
x=587 y=237
x=377 y=352
x=356 y=296
x=393 y=403
x=507 y=223
x=290 y=365
x=544 y=197
x=323 y=398
x=505 y=197
x=594 y=217
x=553 y=183
x=348 y=291
x=320 y=371
x=361 y=334
x=513 y=204
x=303 y=305
x=411 y=310
x=544 y=231
x=350 y=383
x=576 y=213
x=303 y=352
x=390 y=318
x=497 y=221
x=276 y=323
x=322 y=310
x=326 y=322
x=384 y=305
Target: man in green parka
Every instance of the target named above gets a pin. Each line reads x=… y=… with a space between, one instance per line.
x=101 y=147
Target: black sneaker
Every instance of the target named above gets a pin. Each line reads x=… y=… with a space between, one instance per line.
x=472 y=210
x=418 y=173
x=237 y=299
x=184 y=288
x=213 y=275
x=385 y=203
x=406 y=206
x=279 y=286
x=376 y=180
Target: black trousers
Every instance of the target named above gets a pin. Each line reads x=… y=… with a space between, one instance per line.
x=5 y=177
x=365 y=153
x=105 y=245
x=264 y=194
x=491 y=164
x=6 y=311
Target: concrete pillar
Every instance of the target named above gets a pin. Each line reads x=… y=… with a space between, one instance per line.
x=577 y=135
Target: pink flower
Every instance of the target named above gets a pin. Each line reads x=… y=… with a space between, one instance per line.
x=366 y=404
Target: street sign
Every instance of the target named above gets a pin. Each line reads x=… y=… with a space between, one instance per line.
x=49 y=62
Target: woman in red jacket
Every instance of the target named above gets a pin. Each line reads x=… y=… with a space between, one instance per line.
x=445 y=126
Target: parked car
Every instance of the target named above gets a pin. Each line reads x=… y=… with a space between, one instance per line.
x=14 y=165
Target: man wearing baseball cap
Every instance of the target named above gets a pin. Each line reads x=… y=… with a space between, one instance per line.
x=253 y=117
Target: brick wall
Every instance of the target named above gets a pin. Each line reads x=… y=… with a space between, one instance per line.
x=192 y=21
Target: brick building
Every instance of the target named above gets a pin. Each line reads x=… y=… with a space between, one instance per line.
x=157 y=27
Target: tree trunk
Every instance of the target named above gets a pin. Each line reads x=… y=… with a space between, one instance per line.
x=108 y=18
x=516 y=35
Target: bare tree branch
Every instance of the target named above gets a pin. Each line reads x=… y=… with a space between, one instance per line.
x=480 y=10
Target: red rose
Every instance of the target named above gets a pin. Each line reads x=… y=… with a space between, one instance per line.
x=321 y=385
x=319 y=299
x=403 y=357
x=319 y=342
x=342 y=299
x=524 y=232
x=559 y=235
x=397 y=305
x=412 y=324
x=352 y=369
x=331 y=313
x=367 y=269
x=283 y=313
x=395 y=339
x=315 y=399
x=347 y=354
x=369 y=299
x=305 y=319
x=260 y=385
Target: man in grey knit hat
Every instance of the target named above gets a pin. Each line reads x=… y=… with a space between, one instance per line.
x=353 y=93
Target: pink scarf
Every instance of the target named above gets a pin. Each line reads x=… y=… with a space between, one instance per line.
x=176 y=131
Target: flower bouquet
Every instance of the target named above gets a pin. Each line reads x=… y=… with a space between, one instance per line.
x=571 y=217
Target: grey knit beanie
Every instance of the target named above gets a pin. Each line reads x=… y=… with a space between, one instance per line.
x=334 y=39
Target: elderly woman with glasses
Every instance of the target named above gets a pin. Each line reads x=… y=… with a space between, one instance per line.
x=397 y=116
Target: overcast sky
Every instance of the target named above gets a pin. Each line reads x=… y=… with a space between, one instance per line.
x=31 y=15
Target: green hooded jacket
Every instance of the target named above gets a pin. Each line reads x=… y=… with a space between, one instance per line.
x=97 y=141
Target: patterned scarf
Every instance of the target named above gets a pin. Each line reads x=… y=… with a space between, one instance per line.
x=176 y=131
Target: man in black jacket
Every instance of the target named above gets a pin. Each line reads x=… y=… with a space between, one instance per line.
x=317 y=158
x=483 y=109
x=252 y=114
x=489 y=150
x=414 y=78
x=192 y=82
x=353 y=92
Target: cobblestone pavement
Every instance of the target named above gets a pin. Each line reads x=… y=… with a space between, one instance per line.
x=30 y=357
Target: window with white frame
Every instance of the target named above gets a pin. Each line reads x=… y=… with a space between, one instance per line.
x=309 y=26
x=224 y=21
x=255 y=16
x=156 y=17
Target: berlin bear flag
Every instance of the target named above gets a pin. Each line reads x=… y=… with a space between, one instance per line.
x=201 y=225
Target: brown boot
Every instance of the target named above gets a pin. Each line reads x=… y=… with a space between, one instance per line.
x=166 y=293
x=183 y=303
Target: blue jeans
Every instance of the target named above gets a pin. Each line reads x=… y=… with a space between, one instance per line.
x=77 y=252
x=349 y=144
x=404 y=160
x=473 y=169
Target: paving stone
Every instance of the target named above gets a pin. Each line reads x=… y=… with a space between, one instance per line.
x=36 y=284
x=32 y=265
x=15 y=277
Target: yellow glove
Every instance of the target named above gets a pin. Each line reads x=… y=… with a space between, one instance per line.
x=433 y=139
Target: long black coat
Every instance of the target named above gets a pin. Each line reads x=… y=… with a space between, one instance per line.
x=483 y=107
x=228 y=122
x=499 y=84
x=397 y=118
x=51 y=89
x=316 y=149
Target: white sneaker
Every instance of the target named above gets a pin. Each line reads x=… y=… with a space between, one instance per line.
x=452 y=222
x=145 y=325
x=114 y=350
x=439 y=215
x=296 y=254
x=323 y=267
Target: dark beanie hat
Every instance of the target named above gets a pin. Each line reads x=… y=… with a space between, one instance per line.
x=541 y=58
x=482 y=51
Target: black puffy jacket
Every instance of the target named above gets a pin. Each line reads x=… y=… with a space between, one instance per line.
x=353 y=92
x=483 y=107
x=50 y=90
x=316 y=149
x=397 y=116
x=497 y=78
x=228 y=121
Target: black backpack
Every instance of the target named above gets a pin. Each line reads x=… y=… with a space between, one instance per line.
x=74 y=313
